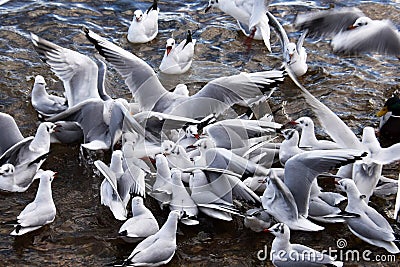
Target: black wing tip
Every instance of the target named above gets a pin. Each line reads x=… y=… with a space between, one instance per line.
x=154 y=6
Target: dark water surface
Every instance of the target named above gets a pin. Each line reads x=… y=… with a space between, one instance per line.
x=84 y=232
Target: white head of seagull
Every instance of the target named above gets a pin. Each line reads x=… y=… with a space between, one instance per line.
x=7 y=169
x=169 y=46
x=361 y=21
x=138 y=15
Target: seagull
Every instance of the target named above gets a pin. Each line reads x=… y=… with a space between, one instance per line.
x=369 y=225
x=368 y=170
x=41 y=211
x=302 y=169
x=257 y=220
x=279 y=202
x=144 y=26
x=119 y=183
x=178 y=59
x=289 y=146
x=352 y=32
x=208 y=202
x=109 y=194
x=295 y=55
x=79 y=74
x=23 y=159
x=308 y=139
x=215 y=97
x=157 y=249
x=162 y=187
x=221 y=158
x=181 y=200
x=284 y=253
x=46 y=105
x=366 y=174
x=250 y=15
x=142 y=223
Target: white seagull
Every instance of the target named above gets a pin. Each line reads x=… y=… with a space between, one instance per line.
x=157 y=249
x=352 y=31
x=81 y=76
x=294 y=55
x=46 y=105
x=144 y=26
x=41 y=211
x=278 y=201
x=178 y=58
x=308 y=139
x=284 y=253
x=215 y=97
x=20 y=161
x=142 y=223
x=369 y=225
x=250 y=15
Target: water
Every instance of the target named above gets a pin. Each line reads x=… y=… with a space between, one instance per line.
x=84 y=233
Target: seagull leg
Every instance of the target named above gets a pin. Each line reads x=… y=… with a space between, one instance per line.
x=250 y=38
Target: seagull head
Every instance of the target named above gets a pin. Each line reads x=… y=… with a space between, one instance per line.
x=303 y=123
x=167 y=146
x=211 y=3
x=291 y=50
x=7 y=169
x=47 y=175
x=289 y=133
x=279 y=230
x=170 y=45
x=138 y=15
x=191 y=131
x=348 y=185
x=40 y=80
x=137 y=201
x=361 y=21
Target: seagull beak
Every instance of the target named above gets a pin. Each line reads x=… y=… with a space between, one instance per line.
x=207 y=9
x=266 y=230
x=382 y=112
x=197 y=136
x=169 y=48
x=293 y=123
x=57 y=128
x=351 y=27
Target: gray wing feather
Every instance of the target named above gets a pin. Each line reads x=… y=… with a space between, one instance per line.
x=327 y=23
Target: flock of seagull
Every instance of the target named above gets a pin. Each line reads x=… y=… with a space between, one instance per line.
x=177 y=149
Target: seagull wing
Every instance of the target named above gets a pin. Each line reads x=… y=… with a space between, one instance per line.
x=140 y=78
x=329 y=22
x=377 y=36
x=78 y=72
x=303 y=168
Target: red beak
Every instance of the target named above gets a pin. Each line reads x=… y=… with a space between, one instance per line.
x=197 y=136
x=351 y=27
x=293 y=123
x=266 y=230
x=169 y=48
